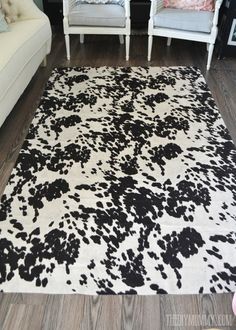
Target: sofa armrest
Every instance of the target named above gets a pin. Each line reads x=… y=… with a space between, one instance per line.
x=19 y=10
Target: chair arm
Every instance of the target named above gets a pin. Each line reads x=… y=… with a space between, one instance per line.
x=218 y=4
x=67 y=6
x=156 y=5
x=127 y=8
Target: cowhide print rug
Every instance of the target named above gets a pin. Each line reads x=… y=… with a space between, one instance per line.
x=126 y=184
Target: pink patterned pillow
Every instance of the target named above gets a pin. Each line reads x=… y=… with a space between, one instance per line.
x=207 y=5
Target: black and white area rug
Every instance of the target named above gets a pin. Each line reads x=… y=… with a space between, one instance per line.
x=126 y=184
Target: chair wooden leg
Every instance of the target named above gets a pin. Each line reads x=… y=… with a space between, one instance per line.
x=210 y=53
x=150 y=39
x=127 y=42
x=81 y=38
x=169 y=42
x=121 y=37
x=207 y=46
x=67 y=40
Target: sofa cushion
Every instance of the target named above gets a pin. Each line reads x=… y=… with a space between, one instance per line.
x=97 y=15
x=19 y=45
x=181 y=19
x=3 y=23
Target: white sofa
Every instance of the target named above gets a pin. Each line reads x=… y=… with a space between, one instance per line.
x=22 y=49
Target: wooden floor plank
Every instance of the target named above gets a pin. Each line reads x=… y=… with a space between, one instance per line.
x=218 y=308
x=23 y=317
x=102 y=313
x=140 y=313
x=174 y=307
x=52 y=312
x=73 y=312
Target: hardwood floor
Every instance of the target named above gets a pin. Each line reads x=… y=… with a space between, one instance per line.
x=35 y=311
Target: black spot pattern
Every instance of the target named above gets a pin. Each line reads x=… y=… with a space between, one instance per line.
x=125 y=184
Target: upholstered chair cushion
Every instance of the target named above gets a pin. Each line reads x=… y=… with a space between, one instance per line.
x=97 y=15
x=207 y=5
x=181 y=19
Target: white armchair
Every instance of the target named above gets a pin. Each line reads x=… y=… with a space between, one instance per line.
x=192 y=25
x=102 y=18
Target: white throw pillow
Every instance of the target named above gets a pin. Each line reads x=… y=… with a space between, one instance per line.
x=19 y=10
x=9 y=8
